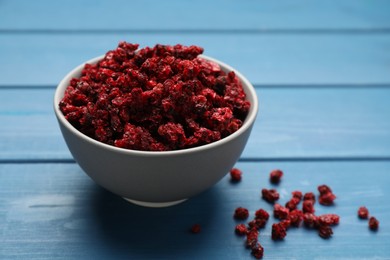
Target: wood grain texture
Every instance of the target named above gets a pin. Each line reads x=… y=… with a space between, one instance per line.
x=58 y=213
x=188 y=15
x=292 y=123
x=263 y=59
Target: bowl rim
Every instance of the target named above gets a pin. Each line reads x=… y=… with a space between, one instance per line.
x=248 y=122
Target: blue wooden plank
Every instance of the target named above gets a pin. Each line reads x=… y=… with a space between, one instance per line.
x=271 y=59
x=52 y=211
x=292 y=123
x=174 y=14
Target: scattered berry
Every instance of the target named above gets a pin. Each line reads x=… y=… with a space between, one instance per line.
x=281 y=212
x=296 y=217
x=297 y=194
x=310 y=220
x=327 y=199
x=241 y=229
x=257 y=223
x=261 y=214
x=325 y=231
x=323 y=189
x=292 y=203
x=373 y=223
x=195 y=229
x=309 y=196
x=251 y=238
x=363 y=212
x=308 y=206
x=270 y=195
x=329 y=219
x=278 y=231
x=241 y=213
x=275 y=176
x=257 y=251
x=235 y=175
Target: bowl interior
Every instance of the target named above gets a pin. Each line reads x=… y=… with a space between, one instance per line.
x=76 y=72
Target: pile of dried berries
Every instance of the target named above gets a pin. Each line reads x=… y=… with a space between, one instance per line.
x=288 y=215
x=155 y=99
x=251 y=232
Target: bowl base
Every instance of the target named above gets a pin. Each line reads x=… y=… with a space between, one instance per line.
x=154 y=204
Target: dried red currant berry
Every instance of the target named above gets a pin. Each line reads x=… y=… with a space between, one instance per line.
x=257 y=223
x=257 y=251
x=281 y=212
x=327 y=199
x=373 y=223
x=309 y=196
x=323 y=189
x=275 y=176
x=363 y=212
x=251 y=238
x=235 y=175
x=310 y=220
x=328 y=219
x=296 y=217
x=241 y=213
x=292 y=203
x=195 y=229
x=297 y=194
x=308 y=206
x=270 y=195
x=241 y=229
x=261 y=214
x=278 y=231
x=286 y=223
x=325 y=231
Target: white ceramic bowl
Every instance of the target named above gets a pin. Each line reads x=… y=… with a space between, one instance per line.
x=156 y=179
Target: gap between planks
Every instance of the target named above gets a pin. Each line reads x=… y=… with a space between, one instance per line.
x=243 y=160
x=265 y=31
x=257 y=86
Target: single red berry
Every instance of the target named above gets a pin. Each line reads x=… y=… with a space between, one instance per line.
x=373 y=223
x=235 y=175
x=195 y=229
x=329 y=219
x=286 y=223
x=251 y=238
x=310 y=220
x=241 y=229
x=278 y=231
x=325 y=231
x=281 y=212
x=308 y=206
x=327 y=199
x=363 y=212
x=262 y=214
x=275 y=176
x=241 y=213
x=296 y=217
x=292 y=203
x=270 y=195
x=257 y=251
x=309 y=196
x=323 y=189
x=297 y=194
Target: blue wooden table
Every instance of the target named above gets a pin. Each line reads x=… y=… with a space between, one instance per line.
x=322 y=73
